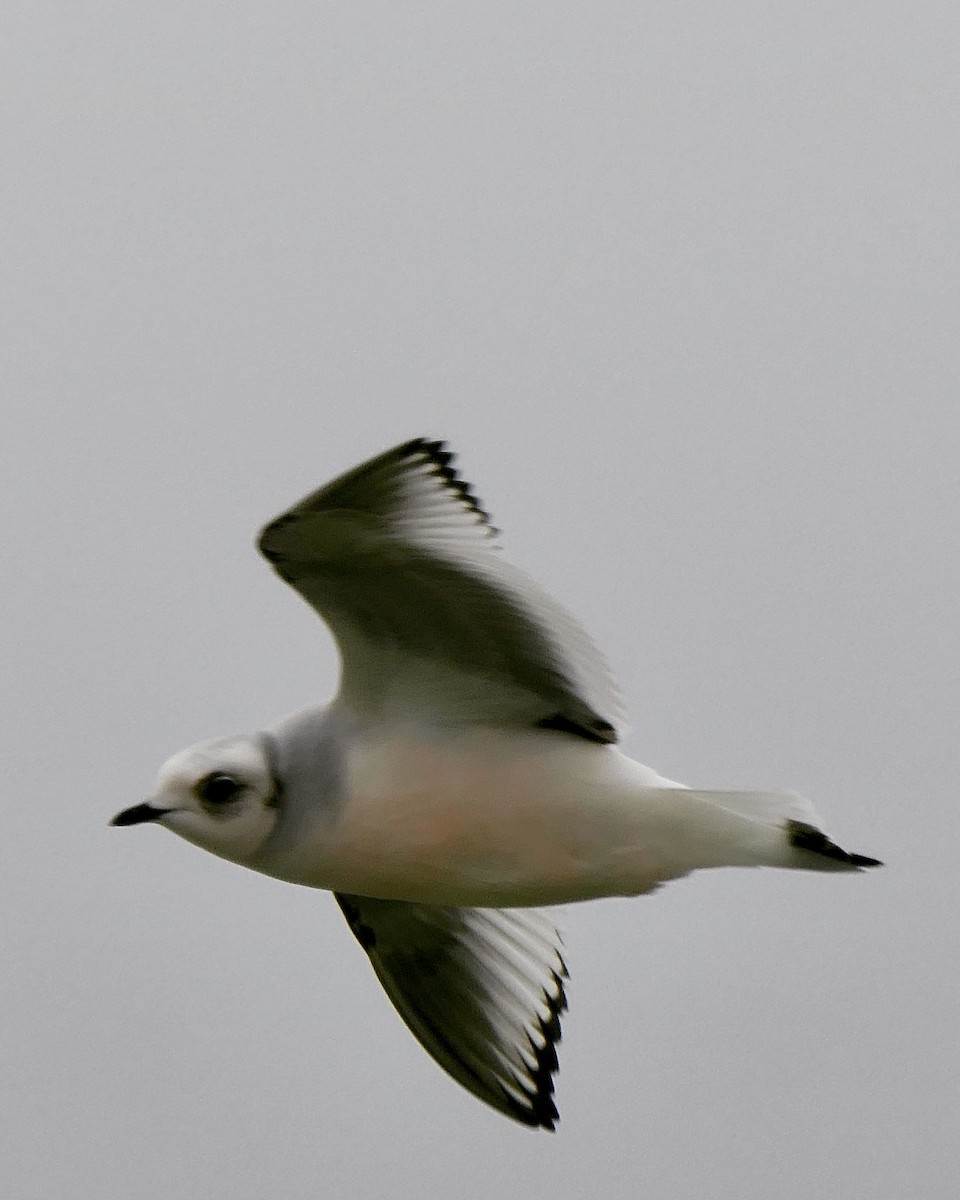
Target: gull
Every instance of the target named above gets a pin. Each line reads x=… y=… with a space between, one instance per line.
x=465 y=773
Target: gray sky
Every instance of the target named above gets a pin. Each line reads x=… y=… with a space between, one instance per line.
x=679 y=281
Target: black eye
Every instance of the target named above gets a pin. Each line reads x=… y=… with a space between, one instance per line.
x=217 y=788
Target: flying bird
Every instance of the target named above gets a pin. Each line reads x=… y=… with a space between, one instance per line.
x=466 y=772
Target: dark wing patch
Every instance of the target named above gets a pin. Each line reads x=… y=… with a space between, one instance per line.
x=596 y=730
x=482 y=990
x=400 y=559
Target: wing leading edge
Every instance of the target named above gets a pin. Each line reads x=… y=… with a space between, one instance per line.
x=482 y=990
x=402 y=562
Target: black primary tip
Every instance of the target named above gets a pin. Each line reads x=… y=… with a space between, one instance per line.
x=138 y=814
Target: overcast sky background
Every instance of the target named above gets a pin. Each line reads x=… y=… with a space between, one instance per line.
x=680 y=282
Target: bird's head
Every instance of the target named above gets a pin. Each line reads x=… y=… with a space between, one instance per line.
x=221 y=795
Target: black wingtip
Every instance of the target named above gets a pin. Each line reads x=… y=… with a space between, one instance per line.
x=543 y=1107
x=442 y=458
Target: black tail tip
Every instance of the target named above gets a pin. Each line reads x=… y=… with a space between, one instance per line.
x=863 y=860
x=808 y=837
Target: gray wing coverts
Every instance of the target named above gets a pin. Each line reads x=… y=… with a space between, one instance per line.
x=400 y=560
x=482 y=990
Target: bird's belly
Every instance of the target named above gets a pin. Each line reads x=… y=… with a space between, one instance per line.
x=485 y=818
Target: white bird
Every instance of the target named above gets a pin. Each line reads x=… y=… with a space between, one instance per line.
x=466 y=771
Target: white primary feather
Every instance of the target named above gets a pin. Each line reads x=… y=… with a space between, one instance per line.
x=402 y=562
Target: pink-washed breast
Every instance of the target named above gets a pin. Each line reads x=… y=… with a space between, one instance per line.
x=487 y=817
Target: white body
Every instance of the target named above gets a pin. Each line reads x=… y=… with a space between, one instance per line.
x=467 y=767
x=486 y=817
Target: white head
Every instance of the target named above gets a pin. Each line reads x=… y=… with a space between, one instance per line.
x=220 y=795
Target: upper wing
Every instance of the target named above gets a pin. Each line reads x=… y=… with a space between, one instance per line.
x=402 y=563
x=482 y=990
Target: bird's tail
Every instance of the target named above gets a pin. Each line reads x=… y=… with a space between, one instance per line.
x=777 y=829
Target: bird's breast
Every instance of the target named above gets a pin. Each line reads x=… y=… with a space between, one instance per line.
x=478 y=817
